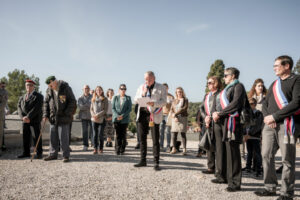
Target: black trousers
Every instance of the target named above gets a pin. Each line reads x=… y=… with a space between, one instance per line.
x=234 y=165
x=27 y=137
x=120 y=137
x=220 y=153
x=143 y=129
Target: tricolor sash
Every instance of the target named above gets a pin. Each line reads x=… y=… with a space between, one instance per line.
x=206 y=104
x=151 y=109
x=289 y=123
x=231 y=123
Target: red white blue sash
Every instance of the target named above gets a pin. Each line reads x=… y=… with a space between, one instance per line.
x=281 y=101
x=231 y=124
x=206 y=104
x=150 y=109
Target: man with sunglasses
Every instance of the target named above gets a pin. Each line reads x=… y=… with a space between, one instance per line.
x=30 y=111
x=150 y=116
x=230 y=103
x=281 y=111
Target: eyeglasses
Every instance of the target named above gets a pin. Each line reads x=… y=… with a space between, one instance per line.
x=225 y=75
x=252 y=103
x=210 y=83
x=123 y=89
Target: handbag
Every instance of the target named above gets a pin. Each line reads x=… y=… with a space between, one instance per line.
x=205 y=142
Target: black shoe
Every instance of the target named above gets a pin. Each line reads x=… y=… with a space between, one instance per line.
x=233 y=189
x=66 y=159
x=279 y=170
x=3 y=148
x=218 y=181
x=24 y=156
x=106 y=144
x=110 y=144
x=122 y=153
x=264 y=193
x=156 y=167
x=38 y=156
x=137 y=146
x=117 y=153
x=50 y=158
x=281 y=197
x=141 y=164
x=208 y=171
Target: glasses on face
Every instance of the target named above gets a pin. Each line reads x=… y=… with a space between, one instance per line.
x=252 y=104
x=124 y=89
x=225 y=75
x=210 y=83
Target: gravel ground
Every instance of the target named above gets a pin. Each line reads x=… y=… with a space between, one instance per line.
x=109 y=176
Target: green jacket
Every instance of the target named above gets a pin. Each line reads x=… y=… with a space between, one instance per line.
x=124 y=111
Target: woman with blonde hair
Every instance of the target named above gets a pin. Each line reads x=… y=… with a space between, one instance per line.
x=179 y=118
x=99 y=107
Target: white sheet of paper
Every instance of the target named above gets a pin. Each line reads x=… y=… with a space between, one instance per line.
x=143 y=101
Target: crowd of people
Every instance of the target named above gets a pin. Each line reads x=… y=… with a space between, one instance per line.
x=263 y=121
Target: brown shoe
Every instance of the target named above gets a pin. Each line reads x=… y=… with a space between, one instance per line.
x=101 y=151
x=50 y=158
x=95 y=151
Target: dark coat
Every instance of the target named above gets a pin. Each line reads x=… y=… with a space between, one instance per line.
x=61 y=109
x=236 y=96
x=32 y=107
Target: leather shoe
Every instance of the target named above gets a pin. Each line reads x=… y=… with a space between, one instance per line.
x=137 y=146
x=233 y=189
x=156 y=167
x=264 y=193
x=50 y=158
x=208 y=171
x=141 y=164
x=24 y=156
x=66 y=159
x=281 y=197
x=218 y=181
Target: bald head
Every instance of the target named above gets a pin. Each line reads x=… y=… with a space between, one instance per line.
x=149 y=78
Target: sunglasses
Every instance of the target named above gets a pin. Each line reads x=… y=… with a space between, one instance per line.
x=225 y=75
x=252 y=103
x=123 y=89
x=210 y=83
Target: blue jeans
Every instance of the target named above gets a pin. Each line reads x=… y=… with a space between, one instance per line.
x=98 y=134
x=59 y=135
x=163 y=128
x=87 y=131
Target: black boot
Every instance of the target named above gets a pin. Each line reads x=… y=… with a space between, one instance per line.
x=142 y=163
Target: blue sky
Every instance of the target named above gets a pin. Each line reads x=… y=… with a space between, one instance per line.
x=111 y=42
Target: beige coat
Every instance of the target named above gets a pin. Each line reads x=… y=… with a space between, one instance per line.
x=99 y=108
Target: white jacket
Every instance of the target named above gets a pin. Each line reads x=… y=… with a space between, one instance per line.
x=158 y=96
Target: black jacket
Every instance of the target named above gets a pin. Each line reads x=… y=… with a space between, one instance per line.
x=32 y=107
x=256 y=129
x=60 y=110
x=236 y=96
x=291 y=90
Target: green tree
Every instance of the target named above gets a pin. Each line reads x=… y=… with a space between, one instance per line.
x=297 y=67
x=216 y=69
x=15 y=86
